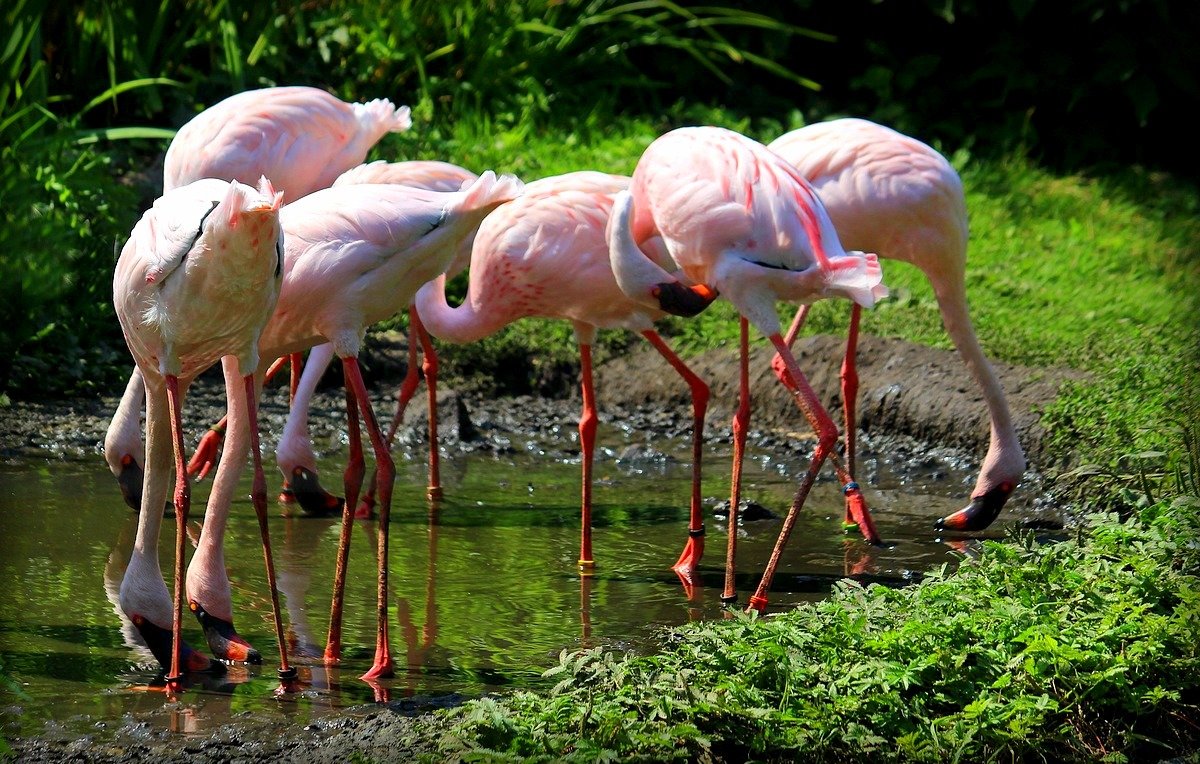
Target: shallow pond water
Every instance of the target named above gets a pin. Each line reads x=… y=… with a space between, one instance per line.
x=485 y=591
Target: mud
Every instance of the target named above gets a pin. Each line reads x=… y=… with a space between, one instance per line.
x=912 y=399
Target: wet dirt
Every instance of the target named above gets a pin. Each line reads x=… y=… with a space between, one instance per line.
x=914 y=401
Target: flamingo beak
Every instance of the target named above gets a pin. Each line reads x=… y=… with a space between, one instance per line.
x=130 y=481
x=158 y=640
x=980 y=513
x=680 y=300
x=312 y=498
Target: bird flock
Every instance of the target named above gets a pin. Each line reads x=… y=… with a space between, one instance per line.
x=272 y=238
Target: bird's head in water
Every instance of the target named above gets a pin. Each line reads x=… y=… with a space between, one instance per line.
x=981 y=512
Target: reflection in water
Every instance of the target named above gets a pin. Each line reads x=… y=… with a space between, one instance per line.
x=486 y=593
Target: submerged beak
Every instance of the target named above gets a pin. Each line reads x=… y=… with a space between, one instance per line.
x=130 y=481
x=980 y=513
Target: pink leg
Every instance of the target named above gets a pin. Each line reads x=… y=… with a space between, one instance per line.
x=850 y=398
x=258 y=496
x=826 y=437
x=183 y=502
x=297 y=366
x=741 y=425
x=429 y=366
x=694 y=550
x=382 y=667
x=351 y=482
x=587 y=442
x=790 y=338
x=204 y=458
x=408 y=388
x=856 y=508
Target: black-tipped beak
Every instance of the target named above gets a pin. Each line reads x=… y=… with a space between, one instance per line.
x=130 y=481
x=312 y=498
x=680 y=300
x=158 y=640
x=980 y=513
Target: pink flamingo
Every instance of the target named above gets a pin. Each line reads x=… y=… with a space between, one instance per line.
x=545 y=255
x=892 y=194
x=736 y=219
x=196 y=282
x=294 y=453
x=355 y=255
x=300 y=137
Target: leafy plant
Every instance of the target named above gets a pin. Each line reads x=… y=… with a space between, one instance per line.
x=1072 y=650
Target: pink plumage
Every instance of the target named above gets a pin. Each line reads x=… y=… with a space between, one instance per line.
x=892 y=194
x=735 y=219
x=301 y=138
x=545 y=255
x=196 y=282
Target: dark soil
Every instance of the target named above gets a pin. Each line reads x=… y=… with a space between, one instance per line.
x=908 y=394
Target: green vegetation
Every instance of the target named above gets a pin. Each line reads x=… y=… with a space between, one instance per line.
x=1080 y=650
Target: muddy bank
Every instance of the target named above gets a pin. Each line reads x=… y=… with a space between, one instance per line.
x=907 y=392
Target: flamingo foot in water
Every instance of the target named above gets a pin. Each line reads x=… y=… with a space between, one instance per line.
x=305 y=489
x=757 y=603
x=689 y=559
x=980 y=513
x=857 y=513
x=289 y=681
x=689 y=581
x=158 y=640
x=222 y=638
x=366 y=508
x=383 y=668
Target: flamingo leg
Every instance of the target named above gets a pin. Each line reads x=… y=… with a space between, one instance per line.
x=351 y=482
x=297 y=366
x=826 y=437
x=857 y=514
x=741 y=426
x=204 y=458
x=382 y=666
x=429 y=365
x=689 y=559
x=183 y=502
x=587 y=441
x=849 y=376
x=408 y=388
x=258 y=496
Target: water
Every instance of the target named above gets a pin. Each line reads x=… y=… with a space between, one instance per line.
x=485 y=591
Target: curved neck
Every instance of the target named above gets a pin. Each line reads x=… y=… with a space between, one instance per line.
x=466 y=323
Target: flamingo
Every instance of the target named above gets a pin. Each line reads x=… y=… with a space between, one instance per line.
x=545 y=255
x=294 y=453
x=195 y=283
x=737 y=220
x=355 y=255
x=301 y=138
x=892 y=194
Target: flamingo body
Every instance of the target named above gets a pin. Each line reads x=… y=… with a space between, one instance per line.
x=545 y=255
x=300 y=137
x=734 y=217
x=196 y=281
x=892 y=194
